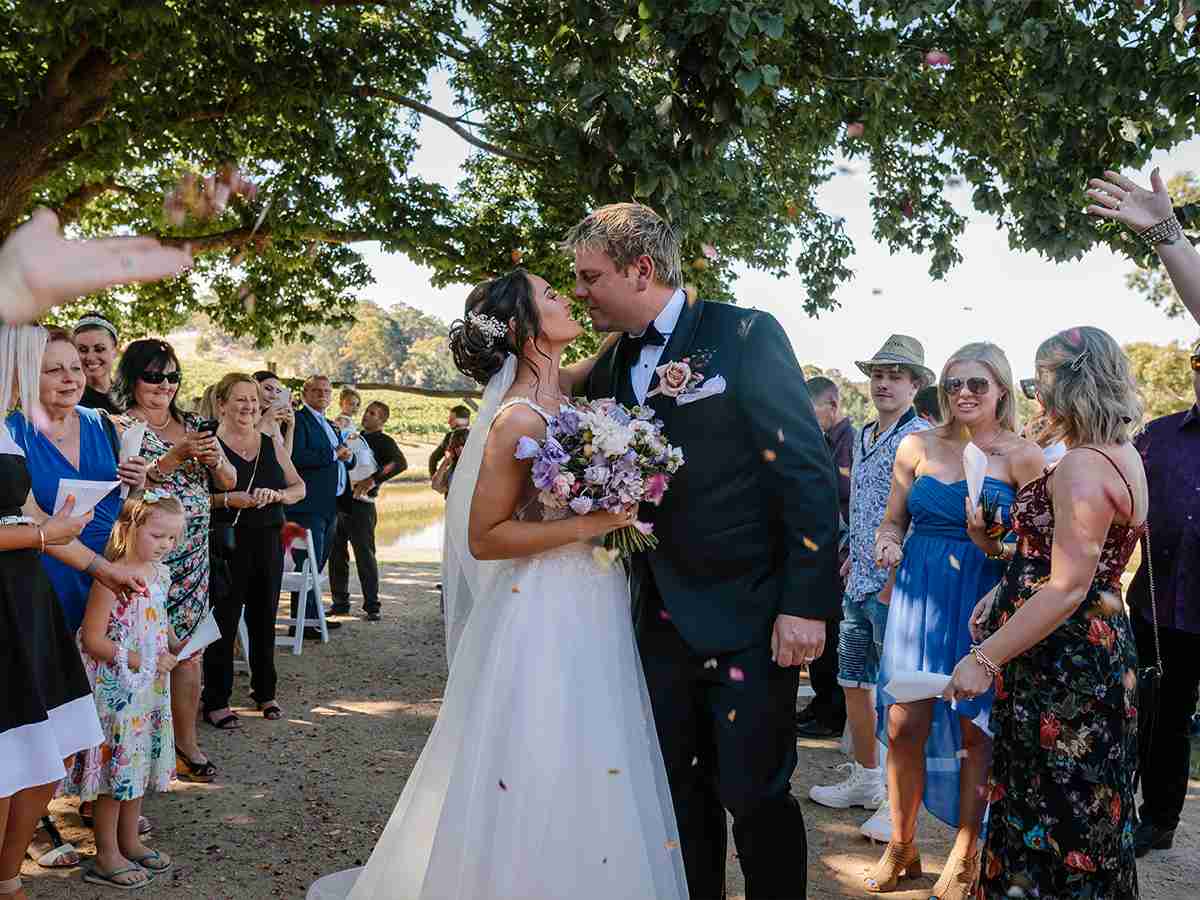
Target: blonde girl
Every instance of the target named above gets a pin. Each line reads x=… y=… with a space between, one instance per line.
x=128 y=650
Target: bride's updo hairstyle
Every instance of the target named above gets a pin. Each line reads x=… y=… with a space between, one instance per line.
x=500 y=317
x=1087 y=387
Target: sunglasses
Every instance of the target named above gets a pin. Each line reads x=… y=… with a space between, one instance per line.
x=977 y=386
x=1029 y=387
x=159 y=377
x=1196 y=363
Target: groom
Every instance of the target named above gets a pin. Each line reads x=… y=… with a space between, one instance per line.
x=737 y=592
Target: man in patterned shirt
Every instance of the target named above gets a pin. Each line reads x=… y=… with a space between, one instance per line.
x=897 y=372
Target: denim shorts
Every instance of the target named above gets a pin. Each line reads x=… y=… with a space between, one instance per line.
x=860 y=641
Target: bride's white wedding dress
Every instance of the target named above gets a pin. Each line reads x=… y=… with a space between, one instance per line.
x=542 y=778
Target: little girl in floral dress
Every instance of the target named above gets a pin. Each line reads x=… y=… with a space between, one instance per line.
x=128 y=648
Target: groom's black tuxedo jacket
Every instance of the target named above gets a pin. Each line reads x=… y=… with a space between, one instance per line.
x=748 y=527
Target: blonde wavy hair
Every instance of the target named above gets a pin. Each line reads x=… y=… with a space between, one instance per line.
x=220 y=390
x=625 y=231
x=994 y=360
x=137 y=509
x=1087 y=387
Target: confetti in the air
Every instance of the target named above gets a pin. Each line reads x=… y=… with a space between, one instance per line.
x=844 y=470
x=710 y=664
x=954 y=563
x=671 y=845
x=732 y=715
x=779 y=434
x=811 y=544
x=736 y=674
x=503 y=786
x=695 y=760
x=516 y=590
x=664 y=615
x=614 y=771
x=769 y=455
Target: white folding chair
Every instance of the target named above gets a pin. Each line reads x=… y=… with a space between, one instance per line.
x=301 y=581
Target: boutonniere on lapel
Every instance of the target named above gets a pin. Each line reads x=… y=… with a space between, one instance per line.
x=685 y=380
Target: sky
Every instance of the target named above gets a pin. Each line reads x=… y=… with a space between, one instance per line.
x=1011 y=298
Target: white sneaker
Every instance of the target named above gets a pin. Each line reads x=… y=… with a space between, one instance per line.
x=879 y=826
x=863 y=788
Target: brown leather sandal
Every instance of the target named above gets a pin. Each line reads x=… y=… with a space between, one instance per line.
x=958 y=880
x=898 y=861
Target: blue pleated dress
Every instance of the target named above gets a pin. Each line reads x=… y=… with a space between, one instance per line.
x=940 y=580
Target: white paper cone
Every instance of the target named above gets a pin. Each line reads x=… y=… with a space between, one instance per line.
x=908 y=687
x=975 y=464
x=206 y=633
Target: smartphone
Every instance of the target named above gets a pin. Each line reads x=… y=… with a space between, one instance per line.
x=208 y=426
x=283 y=398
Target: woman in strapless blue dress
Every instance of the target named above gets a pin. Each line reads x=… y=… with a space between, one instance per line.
x=938 y=753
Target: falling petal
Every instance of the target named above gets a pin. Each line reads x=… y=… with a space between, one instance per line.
x=855 y=130
x=671 y=845
x=503 y=786
x=710 y=664
x=937 y=58
x=779 y=434
x=732 y=715
x=695 y=760
x=709 y=251
x=811 y=544
x=516 y=256
x=954 y=563
x=736 y=674
x=769 y=455
x=664 y=615
x=1130 y=131
x=516 y=590
x=614 y=771
x=844 y=470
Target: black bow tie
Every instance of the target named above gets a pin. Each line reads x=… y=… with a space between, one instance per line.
x=651 y=336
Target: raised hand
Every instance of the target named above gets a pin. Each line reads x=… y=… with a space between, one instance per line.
x=40 y=269
x=1117 y=197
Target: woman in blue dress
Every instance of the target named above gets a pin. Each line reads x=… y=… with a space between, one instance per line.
x=940 y=753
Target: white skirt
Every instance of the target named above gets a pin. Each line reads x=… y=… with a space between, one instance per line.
x=542 y=778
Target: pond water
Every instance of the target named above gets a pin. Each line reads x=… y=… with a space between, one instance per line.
x=420 y=537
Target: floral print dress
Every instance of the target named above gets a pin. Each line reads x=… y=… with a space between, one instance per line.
x=138 y=753
x=1065 y=725
x=189 y=561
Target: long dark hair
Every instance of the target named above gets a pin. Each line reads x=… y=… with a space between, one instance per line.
x=509 y=298
x=140 y=357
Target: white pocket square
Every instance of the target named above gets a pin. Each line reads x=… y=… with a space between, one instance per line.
x=707 y=388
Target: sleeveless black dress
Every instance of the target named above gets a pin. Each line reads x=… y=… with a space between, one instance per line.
x=46 y=708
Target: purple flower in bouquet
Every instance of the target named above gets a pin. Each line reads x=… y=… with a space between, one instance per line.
x=656 y=486
x=581 y=506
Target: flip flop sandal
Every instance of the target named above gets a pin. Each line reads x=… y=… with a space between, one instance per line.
x=270 y=710
x=226 y=723
x=153 y=862
x=200 y=773
x=52 y=858
x=109 y=879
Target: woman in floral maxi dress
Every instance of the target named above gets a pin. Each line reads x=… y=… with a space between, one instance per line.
x=1061 y=652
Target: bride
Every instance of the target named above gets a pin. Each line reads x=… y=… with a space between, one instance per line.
x=542 y=777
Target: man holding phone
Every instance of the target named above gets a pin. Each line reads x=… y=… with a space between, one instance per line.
x=321 y=459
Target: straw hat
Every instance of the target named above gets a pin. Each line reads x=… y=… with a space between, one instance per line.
x=899 y=350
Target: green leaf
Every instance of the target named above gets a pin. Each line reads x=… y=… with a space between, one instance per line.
x=646 y=184
x=739 y=21
x=749 y=80
x=770 y=24
x=644 y=11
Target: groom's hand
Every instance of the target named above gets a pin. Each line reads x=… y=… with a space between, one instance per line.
x=797 y=641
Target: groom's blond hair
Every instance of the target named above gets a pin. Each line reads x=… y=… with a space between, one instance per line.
x=626 y=231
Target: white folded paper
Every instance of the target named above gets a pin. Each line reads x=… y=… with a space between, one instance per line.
x=86 y=493
x=908 y=687
x=131 y=446
x=206 y=633
x=975 y=464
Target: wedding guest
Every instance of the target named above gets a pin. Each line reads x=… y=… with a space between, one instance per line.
x=1040 y=429
x=897 y=371
x=39 y=269
x=933 y=749
x=1149 y=214
x=356 y=518
x=128 y=648
x=1170 y=450
x=1061 y=650
x=276 y=415
x=928 y=406
x=206 y=409
x=320 y=456
x=249 y=519
x=96 y=340
x=825 y=715
x=188 y=464
x=459 y=418
x=74 y=442
x=349 y=401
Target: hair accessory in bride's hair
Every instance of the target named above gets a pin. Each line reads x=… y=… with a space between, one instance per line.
x=485 y=324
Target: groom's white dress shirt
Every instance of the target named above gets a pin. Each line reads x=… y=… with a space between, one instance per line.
x=642 y=369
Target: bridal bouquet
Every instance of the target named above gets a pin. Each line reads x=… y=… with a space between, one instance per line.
x=600 y=455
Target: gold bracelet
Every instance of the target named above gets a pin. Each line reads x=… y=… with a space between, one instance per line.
x=1167 y=231
x=1001 y=554
x=983 y=660
x=42 y=538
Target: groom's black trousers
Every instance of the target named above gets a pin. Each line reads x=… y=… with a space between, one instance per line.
x=728 y=744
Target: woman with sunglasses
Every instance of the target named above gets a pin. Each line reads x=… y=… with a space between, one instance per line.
x=943 y=570
x=1039 y=429
x=190 y=464
x=1059 y=646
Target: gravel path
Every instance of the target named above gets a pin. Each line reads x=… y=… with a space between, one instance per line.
x=309 y=794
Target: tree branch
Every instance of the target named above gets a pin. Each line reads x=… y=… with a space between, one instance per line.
x=447 y=120
x=240 y=237
x=59 y=76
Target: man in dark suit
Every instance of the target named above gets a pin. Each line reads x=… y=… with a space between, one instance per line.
x=737 y=593
x=320 y=457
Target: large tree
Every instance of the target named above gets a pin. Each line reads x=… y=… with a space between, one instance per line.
x=725 y=115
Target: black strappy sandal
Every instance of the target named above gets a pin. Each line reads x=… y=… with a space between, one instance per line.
x=229 y=722
x=200 y=773
x=270 y=710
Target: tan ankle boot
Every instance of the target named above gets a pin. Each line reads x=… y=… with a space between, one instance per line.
x=898 y=861
x=958 y=879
